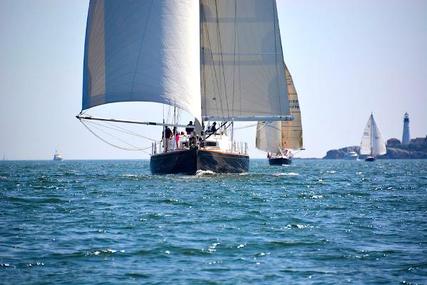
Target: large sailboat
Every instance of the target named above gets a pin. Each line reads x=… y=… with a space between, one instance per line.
x=372 y=143
x=217 y=60
x=280 y=139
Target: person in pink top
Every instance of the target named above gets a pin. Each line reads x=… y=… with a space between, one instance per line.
x=177 y=140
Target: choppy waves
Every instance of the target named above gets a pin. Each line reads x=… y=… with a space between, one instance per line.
x=312 y=222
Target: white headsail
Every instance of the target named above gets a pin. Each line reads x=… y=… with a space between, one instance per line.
x=372 y=142
x=143 y=51
x=242 y=67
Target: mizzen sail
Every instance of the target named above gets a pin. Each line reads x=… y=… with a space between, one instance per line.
x=242 y=67
x=143 y=51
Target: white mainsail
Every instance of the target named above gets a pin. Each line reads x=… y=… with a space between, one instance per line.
x=143 y=51
x=276 y=136
x=242 y=67
x=372 y=142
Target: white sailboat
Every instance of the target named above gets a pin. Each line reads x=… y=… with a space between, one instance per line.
x=372 y=143
x=280 y=139
x=218 y=60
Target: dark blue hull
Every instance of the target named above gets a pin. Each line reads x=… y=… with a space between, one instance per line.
x=189 y=161
x=279 y=161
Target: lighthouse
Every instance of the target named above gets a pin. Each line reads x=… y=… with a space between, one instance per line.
x=405 y=136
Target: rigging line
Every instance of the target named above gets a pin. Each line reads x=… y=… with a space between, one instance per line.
x=133 y=133
x=265 y=124
x=222 y=125
x=111 y=144
x=168 y=118
x=202 y=60
x=123 y=130
x=222 y=58
x=115 y=137
x=117 y=146
x=245 y=127
x=234 y=56
x=117 y=128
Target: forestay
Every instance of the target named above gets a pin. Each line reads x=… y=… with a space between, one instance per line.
x=143 y=51
x=242 y=67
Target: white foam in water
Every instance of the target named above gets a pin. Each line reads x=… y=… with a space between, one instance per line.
x=205 y=173
x=286 y=174
x=130 y=175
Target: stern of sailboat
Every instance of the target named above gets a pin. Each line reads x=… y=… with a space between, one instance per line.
x=279 y=161
x=189 y=161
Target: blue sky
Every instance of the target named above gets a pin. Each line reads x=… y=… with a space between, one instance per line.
x=348 y=59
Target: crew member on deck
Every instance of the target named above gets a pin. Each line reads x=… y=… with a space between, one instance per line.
x=167 y=134
x=177 y=140
x=213 y=128
x=190 y=128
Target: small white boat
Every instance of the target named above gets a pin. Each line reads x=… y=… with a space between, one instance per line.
x=57 y=156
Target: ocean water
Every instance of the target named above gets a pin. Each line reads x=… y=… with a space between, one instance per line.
x=314 y=222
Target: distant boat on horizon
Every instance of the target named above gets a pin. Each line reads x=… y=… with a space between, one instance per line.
x=281 y=138
x=372 y=143
x=351 y=155
x=57 y=156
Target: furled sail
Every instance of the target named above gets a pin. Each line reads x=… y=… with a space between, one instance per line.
x=242 y=67
x=372 y=142
x=143 y=51
x=272 y=136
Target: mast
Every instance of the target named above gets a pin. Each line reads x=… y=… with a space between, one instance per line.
x=372 y=134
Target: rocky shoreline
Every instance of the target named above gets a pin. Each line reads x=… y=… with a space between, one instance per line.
x=416 y=149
